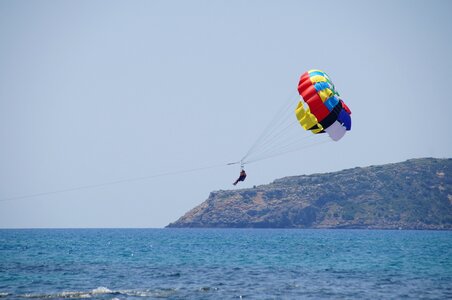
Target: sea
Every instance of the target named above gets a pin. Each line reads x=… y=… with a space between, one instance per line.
x=225 y=264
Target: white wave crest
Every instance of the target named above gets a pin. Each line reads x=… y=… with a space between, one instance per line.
x=101 y=290
x=98 y=292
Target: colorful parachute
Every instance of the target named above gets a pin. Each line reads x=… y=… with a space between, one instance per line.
x=326 y=111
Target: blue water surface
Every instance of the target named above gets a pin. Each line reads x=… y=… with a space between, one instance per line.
x=225 y=264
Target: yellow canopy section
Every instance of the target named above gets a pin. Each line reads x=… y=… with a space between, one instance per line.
x=318 y=78
x=325 y=94
x=307 y=119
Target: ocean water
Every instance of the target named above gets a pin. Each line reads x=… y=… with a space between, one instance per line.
x=225 y=264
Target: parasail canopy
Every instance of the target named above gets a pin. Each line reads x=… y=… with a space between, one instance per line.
x=326 y=111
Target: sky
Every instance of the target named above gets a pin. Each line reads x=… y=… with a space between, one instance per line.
x=126 y=113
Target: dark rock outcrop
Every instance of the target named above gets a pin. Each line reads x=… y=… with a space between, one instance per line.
x=415 y=194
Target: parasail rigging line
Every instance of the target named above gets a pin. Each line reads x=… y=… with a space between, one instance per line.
x=285 y=151
x=280 y=136
x=283 y=145
x=120 y=181
x=272 y=125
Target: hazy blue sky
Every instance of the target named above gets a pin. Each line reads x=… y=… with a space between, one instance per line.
x=93 y=92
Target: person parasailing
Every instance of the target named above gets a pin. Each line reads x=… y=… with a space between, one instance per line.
x=242 y=176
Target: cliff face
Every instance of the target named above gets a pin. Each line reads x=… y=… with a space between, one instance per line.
x=415 y=194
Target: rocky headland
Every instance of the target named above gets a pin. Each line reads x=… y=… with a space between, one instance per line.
x=415 y=194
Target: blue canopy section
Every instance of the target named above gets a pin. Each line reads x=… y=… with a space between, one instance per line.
x=345 y=119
